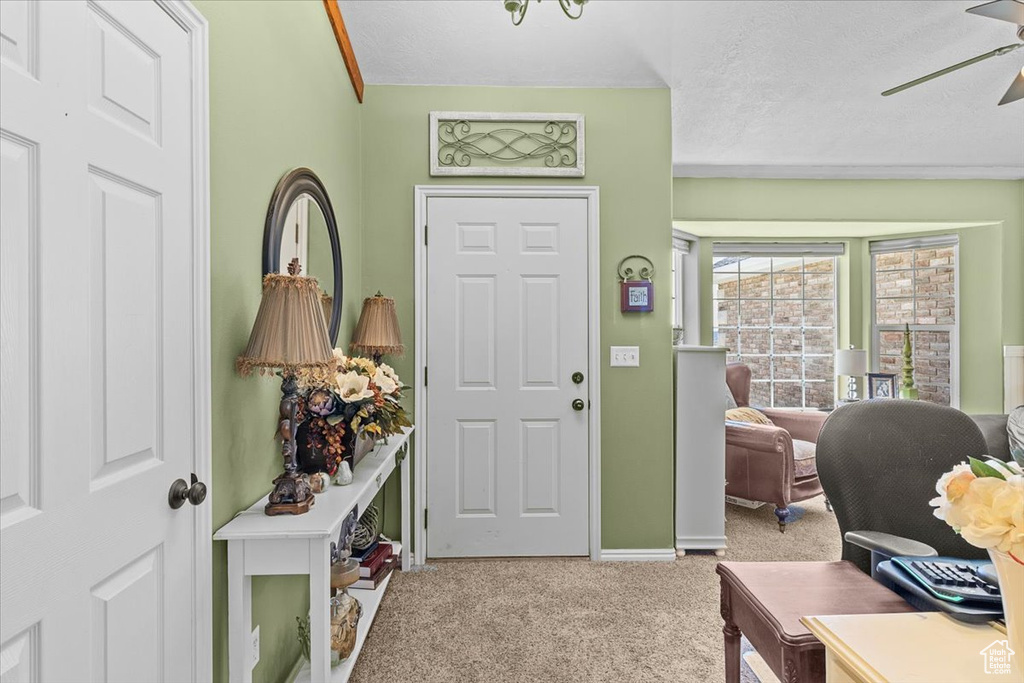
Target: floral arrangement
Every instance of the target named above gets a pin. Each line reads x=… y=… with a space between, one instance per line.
x=983 y=500
x=355 y=399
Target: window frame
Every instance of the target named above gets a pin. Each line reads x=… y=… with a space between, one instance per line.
x=680 y=249
x=772 y=252
x=877 y=248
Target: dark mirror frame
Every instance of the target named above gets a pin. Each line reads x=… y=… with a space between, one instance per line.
x=294 y=184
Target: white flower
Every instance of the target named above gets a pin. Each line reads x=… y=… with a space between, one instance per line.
x=991 y=514
x=384 y=382
x=942 y=503
x=363 y=364
x=353 y=387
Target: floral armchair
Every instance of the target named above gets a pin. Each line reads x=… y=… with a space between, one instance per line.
x=771 y=463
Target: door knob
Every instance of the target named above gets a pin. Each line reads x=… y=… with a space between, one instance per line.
x=578 y=404
x=577 y=378
x=181 y=491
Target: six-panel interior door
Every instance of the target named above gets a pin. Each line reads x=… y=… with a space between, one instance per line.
x=97 y=363
x=507 y=326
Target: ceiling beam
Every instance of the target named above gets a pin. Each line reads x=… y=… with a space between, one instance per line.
x=345 y=45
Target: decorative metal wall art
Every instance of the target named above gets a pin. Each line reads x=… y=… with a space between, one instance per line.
x=517 y=144
x=636 y=287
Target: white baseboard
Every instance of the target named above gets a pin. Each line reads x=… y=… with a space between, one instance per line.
x=701 y=543
x=296 y=668
x=638 y=554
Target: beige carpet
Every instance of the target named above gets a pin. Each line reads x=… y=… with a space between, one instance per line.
x=576 y=620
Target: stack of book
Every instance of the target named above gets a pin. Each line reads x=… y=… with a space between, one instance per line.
x=376 y=562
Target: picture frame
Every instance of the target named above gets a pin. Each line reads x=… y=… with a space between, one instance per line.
x=637 y=296
x=882 y=385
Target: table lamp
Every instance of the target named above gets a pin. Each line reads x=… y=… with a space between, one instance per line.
x=377 y=331
x=852 y=363
x=289 y=335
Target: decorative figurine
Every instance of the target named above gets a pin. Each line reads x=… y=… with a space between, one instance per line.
x=343 y=476
x=907 y=388
x=345 y=614
x=345 y=610
x=319 y=481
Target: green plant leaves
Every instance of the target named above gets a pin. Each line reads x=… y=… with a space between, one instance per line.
x=983 y=469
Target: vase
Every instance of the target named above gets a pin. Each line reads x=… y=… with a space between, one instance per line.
x=1011 y=587
x=360 y=447
x=308 y=459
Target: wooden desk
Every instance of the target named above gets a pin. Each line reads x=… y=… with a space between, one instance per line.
x=923 y=647
x=260 y=545
x=765 y=601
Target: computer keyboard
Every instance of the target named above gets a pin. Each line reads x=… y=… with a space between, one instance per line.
x=951 y=579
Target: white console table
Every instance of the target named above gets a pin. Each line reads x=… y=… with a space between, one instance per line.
x=261 y=545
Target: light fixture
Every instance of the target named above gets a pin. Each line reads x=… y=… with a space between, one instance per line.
x=517 y=8
x=852 y=363
x=290 y=335
x=377 y=331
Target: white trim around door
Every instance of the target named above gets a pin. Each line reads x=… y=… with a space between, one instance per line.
x=421 y=194
x=196 y=27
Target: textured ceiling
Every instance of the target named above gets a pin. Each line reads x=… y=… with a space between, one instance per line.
x=776 y=89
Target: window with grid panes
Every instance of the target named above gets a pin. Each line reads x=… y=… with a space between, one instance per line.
x=916 y=285
x=777 y=314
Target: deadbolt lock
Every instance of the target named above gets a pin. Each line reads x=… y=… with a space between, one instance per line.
x=577 y=378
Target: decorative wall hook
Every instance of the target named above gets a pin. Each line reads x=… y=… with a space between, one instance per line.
x=636 y=285
x=645 y=273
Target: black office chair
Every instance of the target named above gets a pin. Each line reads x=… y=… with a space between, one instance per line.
x=878 y=462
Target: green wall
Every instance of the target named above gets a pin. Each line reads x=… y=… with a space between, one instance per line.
x=629 y=157
x=991 y=276
x=279 y=98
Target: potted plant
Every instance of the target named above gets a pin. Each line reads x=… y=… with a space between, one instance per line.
x=344 y=411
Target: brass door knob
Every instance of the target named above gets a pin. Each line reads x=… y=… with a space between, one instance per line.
x=181 y=491
x=578 y=404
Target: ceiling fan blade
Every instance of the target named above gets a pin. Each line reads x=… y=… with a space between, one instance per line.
x=942 y=72
x=1016 y=91
x=1004 y=10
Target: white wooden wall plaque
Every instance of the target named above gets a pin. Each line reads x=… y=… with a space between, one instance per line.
x=506 y=144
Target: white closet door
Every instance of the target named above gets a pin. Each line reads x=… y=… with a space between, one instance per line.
x=507 y=328
x=96 y=273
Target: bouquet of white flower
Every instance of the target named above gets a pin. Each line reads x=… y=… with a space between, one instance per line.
x=353 y=402
x=983 y=500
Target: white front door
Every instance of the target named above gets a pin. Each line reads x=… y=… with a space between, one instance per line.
x=507 y=327
x=96 y=378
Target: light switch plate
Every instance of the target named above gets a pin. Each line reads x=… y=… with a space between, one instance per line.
x=255 y=657
x=625 y=356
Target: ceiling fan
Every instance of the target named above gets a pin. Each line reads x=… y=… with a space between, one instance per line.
x=1004 y=10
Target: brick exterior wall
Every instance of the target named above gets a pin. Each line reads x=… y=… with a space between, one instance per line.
x=930 y=275
x=816 y=281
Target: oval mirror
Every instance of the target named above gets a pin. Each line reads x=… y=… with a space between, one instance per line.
x=301 y=224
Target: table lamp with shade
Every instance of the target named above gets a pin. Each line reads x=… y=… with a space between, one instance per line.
x=377 y=331
x=852 y=363
x=289 y=336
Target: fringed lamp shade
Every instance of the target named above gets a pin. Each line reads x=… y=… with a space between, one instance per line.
x=377 y=331
x=290 y=332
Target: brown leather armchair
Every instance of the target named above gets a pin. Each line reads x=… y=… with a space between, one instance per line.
x=771 y=463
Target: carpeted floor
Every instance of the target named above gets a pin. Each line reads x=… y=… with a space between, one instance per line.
x=572 y=619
